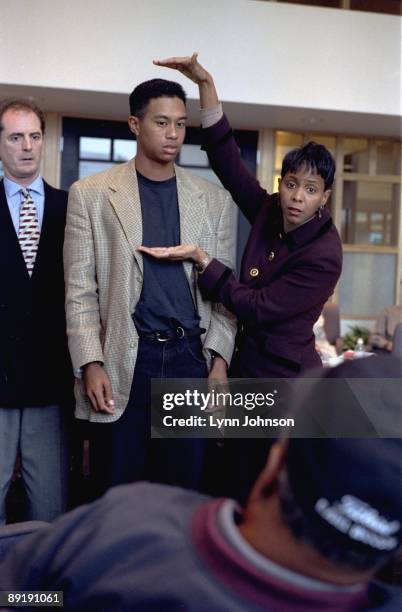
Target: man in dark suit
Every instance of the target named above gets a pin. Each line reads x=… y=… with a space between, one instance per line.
x=34 y=362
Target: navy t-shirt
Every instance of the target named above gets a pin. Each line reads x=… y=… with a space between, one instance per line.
x=166 y=299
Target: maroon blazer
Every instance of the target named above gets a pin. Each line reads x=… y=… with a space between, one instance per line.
x=285 y=279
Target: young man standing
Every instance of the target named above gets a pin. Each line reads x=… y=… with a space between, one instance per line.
x=35 y=369
x=131 y=318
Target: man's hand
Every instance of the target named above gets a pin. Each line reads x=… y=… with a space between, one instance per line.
x=218 y=382
x=189 y=66
x=182 y=252
x=219 y=370
x=98 y=388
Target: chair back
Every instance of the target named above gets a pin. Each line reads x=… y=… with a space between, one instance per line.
x=332 y=325
x=397 y=341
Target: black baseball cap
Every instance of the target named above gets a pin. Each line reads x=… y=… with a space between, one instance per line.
x=349 y=489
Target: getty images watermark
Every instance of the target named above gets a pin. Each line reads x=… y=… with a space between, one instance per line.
x=191 y=409
x=303 y=408
x=214 y=402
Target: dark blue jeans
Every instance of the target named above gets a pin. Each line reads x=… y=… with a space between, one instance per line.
x=123 y=451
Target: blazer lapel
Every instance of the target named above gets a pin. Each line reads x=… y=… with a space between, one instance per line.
x=125 y=199
x=10 y=245
x=192 y=208
x=45 y=232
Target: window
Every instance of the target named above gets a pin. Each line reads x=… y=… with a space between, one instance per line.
x=355 y=155
x=369 y=202
x=284 y=142
x=90 y=146
x=97 y=154
x=367 y=284
x=388 y=157
x=370 y=213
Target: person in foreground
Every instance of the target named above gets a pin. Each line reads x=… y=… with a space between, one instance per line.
x=323 y=516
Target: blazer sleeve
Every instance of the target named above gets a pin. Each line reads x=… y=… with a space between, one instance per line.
x=220 y=335
x=225 y=159
x=297 y=290
x=82 y=305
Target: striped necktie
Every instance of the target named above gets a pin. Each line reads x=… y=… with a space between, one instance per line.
x=29 y=230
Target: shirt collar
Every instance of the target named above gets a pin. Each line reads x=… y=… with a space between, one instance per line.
x=263 y=584
x=227 y=523
x=12 y=188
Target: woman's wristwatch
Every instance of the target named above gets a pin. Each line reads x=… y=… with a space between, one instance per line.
x=201 y=265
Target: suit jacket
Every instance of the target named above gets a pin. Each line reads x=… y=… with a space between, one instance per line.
x=35 y=367
x=104 y=272
x=285 y=278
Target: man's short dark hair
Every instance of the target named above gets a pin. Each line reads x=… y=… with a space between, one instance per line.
x=155 y=88
x=24 y=104
x=314 y=157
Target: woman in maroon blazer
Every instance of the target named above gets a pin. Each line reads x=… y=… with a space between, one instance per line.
x=293 y=257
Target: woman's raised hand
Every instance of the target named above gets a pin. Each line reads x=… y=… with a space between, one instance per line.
x=189 y=66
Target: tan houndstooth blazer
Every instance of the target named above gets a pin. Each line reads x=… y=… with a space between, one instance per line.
x=103 y=271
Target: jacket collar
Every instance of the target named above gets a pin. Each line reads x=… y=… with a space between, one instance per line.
x=192 y=209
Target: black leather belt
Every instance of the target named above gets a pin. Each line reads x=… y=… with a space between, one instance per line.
x=177 y=333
